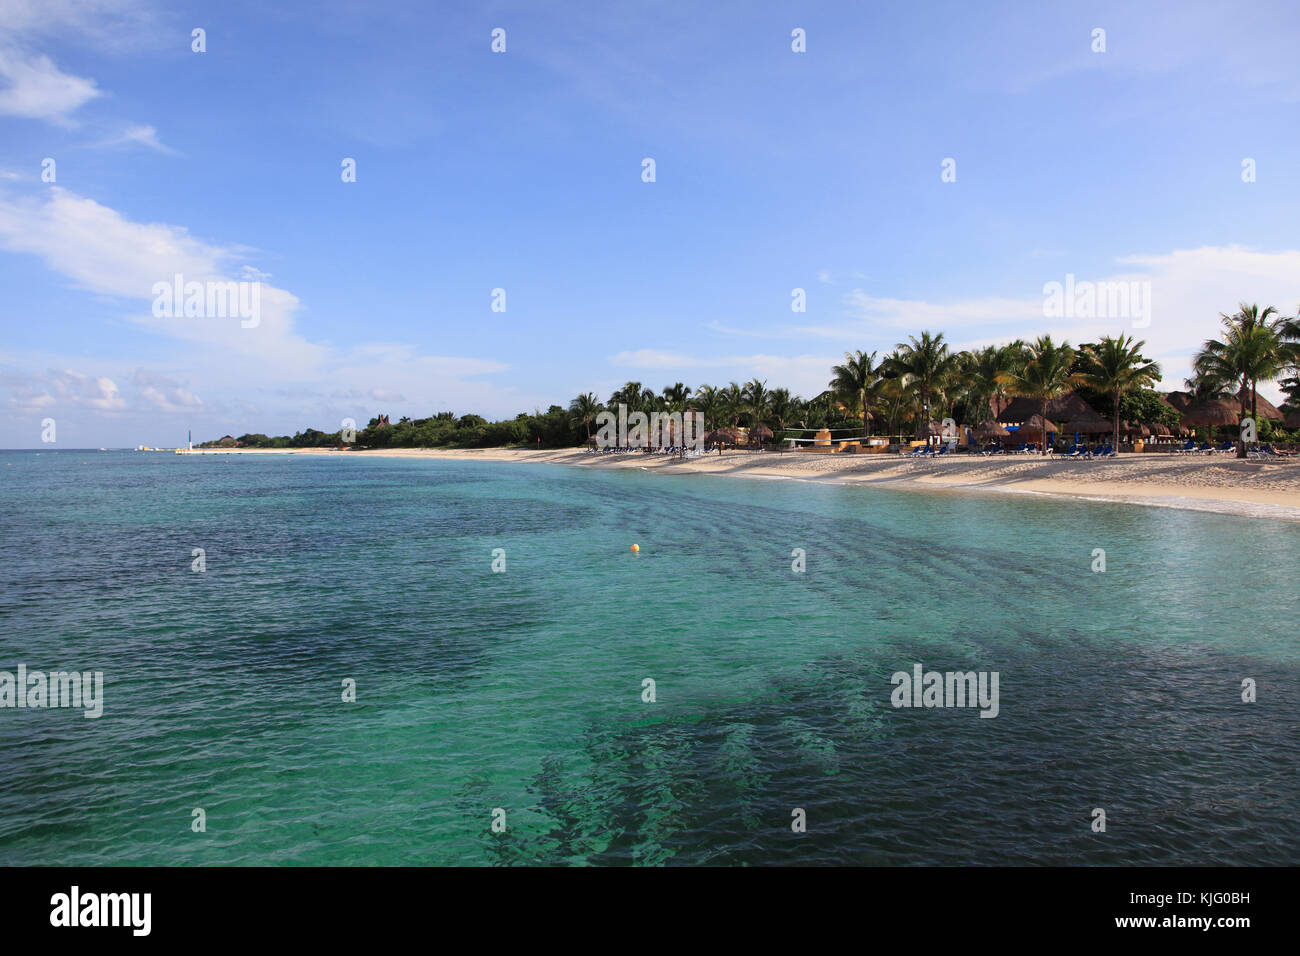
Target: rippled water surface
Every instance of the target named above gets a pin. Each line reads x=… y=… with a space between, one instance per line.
x=523 y=690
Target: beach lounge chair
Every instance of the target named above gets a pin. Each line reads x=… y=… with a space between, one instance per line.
x=1226 y=446
x=1074 y=452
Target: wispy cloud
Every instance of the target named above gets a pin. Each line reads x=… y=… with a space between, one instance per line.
x=34 y=88
x=145 y=136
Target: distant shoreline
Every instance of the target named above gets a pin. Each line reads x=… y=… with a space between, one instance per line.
x=1218 y=483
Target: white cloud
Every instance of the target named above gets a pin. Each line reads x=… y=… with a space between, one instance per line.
x=105 y=253
x=34 y=88
x=145 y=136
x=1189 y=288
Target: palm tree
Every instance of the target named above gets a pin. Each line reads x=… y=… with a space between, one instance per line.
x=783 y=407
x=756 y=397
x=984 y=369
x=632 y=395
x=927 y=363
x=1045 y=375
x=859 y=378
x=676 y=395
x=733 y=403
x=584 y=410
x=708 y=403
x=1115 y=366
x=1256 y=347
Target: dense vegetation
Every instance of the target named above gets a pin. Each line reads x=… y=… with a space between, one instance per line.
x=921 y=381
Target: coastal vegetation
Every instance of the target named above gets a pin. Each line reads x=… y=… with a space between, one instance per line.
x=909 y=391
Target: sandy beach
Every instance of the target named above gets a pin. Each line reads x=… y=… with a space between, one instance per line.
x=1217 y=483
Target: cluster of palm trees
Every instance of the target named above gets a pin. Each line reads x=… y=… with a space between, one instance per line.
x=1257 y=345
x=924 y=380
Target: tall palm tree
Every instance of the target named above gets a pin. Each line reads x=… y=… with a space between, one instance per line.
x=733 y=403
x=985 y=368
x=1256 y=347
x=895 y=386
x=859 y=378
x=1115 y=366
x=927 y=362
x=784 y=407
x=1046 y=374
x=756 y=398
x=632 y=395
x=707 y=402
x=676 y=395
x=584 y=410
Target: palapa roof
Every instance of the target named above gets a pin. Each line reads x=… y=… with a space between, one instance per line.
x=1213 y=412
x=990 y=429
x=1095 y=425
x=1063 y=408
x=1264 y=408
x=1034 y=426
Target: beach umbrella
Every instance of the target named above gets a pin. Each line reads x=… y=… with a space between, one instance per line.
x=726 y=436
x=760 y=432
x=1160 y=430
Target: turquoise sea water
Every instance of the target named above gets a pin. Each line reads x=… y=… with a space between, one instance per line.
x=523 y=690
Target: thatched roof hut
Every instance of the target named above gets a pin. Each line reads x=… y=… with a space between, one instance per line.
x=1033 y=430
x=990 y=429
x=1062 y=408
x=1093 y=425
x=1179 y=400
x=1211 y=413
x=727 y=436
x=1263 y=407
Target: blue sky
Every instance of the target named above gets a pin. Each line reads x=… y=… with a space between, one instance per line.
x=521 y=170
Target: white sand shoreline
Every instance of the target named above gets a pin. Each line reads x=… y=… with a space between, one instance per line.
x=1217 y=483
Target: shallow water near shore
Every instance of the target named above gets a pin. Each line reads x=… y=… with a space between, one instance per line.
x=523 y=690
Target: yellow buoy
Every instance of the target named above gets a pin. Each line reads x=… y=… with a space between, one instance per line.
x=636 y=547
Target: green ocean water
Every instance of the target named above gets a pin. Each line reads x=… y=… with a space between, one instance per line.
x=522 y=690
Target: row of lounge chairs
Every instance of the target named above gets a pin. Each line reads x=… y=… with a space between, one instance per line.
x=665 y=450
x=1204 y=448
x=1083 y=451
x=1267 y=452
x=1028 y=448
